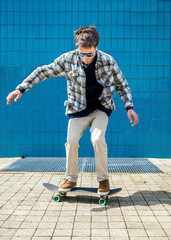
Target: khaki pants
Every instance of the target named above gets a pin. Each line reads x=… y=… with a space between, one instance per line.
x=98 y=121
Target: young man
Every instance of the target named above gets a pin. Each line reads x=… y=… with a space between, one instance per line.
x=91 y=76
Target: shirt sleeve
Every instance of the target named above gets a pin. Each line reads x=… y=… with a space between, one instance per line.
x=55 y=69
x=122 y=87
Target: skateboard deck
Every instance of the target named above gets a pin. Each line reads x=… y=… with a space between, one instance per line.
x=81 y=191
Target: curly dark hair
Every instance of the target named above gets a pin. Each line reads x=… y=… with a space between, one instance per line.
x=87 y=37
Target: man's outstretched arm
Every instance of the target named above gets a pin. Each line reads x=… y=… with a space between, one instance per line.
x=55 y=69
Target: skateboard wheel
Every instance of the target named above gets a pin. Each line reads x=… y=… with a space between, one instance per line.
x=57 y=198
x=63 y=194
x=102 y=201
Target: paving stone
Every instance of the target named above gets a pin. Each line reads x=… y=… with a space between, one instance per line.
x=81 y=225
x=156 y=232
x=16 y=218
x=20 y=238
x=7 y=232
x=100 y=232
x=129 y=213
x=134 y=225
x=3 y=217
x=82 y=238
x=33 y=218
x=70 y=208
x=99 y=238
x=137 y=232
x=158 y=238
x=116 y=218
x=102 y=218
x=99 y=211
x=145 y=213
x=69 y=219
x=49 y=219
x=25 y=232
x=148 y=225
x=36 y=213
x=67 y=213
x=132 y=218
x=32 y=225
x=64 y=225
x=116 y=225
x=113 y=212
x=83 y=218
x=41 y=238
x=161 y=213
x=118 y=232
x=59 y=238
x=21 y=213
x=83 y=213
x=54 y=207
x=121 y=238
x=52 y=213
x=47 y=225
x=81 y=232
x=63 y=232
x=43 y=232
x=139 y=238
x=149 y=219
x=4 y=238
x=11 y=224
x=164 y=219
x=99 y=225
x=7 y=211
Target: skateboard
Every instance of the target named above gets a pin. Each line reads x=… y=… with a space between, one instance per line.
x=81 y=191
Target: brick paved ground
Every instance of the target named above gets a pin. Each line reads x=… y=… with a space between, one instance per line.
x=141 y=211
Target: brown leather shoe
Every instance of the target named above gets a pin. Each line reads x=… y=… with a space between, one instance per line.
x=67 y=185
x=104 y=187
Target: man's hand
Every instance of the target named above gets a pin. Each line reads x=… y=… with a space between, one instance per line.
x=131 y=114
x=13 y=94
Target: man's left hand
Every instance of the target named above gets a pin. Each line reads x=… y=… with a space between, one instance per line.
x=133 y=114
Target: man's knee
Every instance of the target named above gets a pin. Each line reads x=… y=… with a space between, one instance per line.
x=97 y=137
x=72 y=140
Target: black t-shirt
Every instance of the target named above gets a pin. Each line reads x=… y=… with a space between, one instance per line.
x=93 y=92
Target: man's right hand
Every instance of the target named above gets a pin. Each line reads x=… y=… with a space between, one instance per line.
x=17 y=94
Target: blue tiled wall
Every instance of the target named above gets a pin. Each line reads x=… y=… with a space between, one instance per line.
x=135 y=32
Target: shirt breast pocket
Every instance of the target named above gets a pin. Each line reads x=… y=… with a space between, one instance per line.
x=74 y=77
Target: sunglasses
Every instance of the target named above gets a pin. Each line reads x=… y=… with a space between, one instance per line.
x=86 y=54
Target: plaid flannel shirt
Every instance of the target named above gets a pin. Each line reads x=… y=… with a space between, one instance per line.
x=70 y=65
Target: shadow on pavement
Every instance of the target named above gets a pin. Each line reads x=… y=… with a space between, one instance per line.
x=141 y=198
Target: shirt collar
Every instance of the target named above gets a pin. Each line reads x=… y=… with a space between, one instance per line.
x=98 y=61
